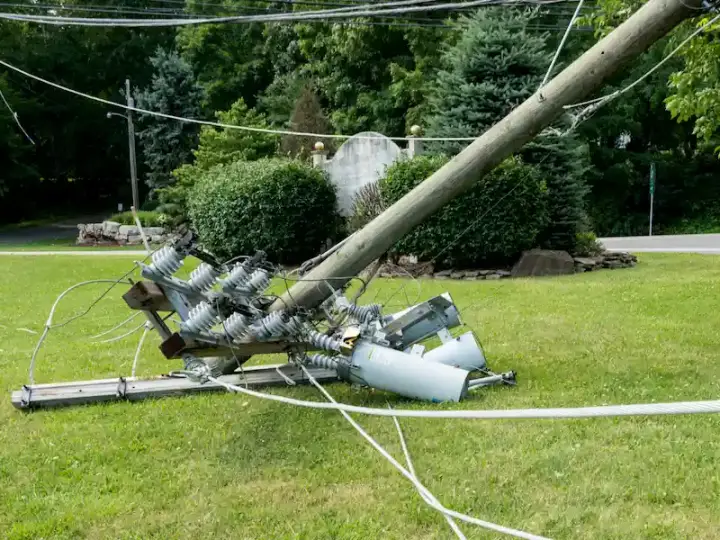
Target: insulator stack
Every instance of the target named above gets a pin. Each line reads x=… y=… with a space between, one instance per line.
x=200 y=319
x=166 y=261
x=268 y=326
x=258 y=282
x=362 y=314
x=322 y=361
x=294 y=326
x=203 y=277
x=276 y=324
x=321 y=341
x=238 y=276
x=236 y=326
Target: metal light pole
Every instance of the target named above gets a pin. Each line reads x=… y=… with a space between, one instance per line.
x=131 y=145
x=652 y=196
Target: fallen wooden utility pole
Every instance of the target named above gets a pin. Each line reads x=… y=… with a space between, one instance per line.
x=645 y=27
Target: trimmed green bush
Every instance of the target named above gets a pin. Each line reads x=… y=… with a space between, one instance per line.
x=285 y=208
x=587 y=245
x=489 y=225
x=147 y=218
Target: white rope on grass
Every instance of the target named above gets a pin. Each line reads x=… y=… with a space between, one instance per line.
x=138 y=350
x=49 y=323
x=122 y=336
x=644 y=409
x=119 y=325
x=427 y=495
x=411 y=468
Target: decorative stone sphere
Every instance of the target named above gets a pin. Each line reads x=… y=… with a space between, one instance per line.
x=319 y=146
x=415 y=130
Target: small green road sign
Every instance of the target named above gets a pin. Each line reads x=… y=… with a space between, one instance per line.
x=652 y=178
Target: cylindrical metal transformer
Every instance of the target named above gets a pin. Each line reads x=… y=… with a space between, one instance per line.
x=462 y=352
x=405 y=374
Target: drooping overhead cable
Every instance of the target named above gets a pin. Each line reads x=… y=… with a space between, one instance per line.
x=377 y=10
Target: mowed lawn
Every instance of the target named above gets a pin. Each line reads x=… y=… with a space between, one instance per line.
x=229 y=466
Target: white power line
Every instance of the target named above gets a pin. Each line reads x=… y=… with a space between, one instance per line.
x=337 y=13
x=594 y=104
x=562 y=43
x=15 y=117
x=219 y=124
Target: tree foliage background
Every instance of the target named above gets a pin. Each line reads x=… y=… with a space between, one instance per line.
x=453 y=74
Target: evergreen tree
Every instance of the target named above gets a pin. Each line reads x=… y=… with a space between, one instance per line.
x=227 y=145
x=496 y=64
x=307 y=117
x=218 y=147
x=564 y=163
x=167 y=144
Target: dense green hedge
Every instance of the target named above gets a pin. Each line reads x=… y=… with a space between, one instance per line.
x=491 y=224
x=147 y=218
x=283 y=207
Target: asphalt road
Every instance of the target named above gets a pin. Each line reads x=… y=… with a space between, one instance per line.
x=61 y=231
x=686 y=243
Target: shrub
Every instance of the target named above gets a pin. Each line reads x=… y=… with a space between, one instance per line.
x=307 y=117
x=217 y=146
x=166 y=144
x=491 y=224
x=147 y=219
x=285 y=208
x=367 y=205
x=587 y=245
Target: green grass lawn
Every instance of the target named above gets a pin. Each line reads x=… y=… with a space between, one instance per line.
x=63 y=244
x=228 y=466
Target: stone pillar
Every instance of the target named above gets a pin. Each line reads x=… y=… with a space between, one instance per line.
x=319 y=156
x=415 y=144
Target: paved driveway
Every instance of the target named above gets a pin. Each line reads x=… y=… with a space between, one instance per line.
x=685 y=243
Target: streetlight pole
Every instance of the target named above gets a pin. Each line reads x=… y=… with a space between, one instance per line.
x=131 y=144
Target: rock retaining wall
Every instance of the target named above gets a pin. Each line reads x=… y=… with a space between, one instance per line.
x=111 y=232
x=607 y=260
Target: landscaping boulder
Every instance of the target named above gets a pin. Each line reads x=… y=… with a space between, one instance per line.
x=127 y=230
x=110 y=228
x=586 y=264
x=112 y=233
x=544 y=262
x=153 y=231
